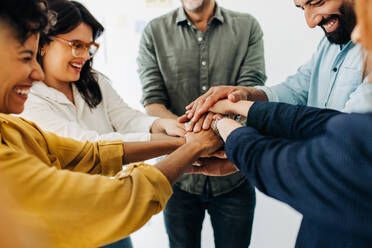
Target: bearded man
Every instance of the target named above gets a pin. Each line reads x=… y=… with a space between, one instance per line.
x=333 y=78
x=182 y=54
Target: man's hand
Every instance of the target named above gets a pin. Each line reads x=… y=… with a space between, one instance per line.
x=202 y=104
x=233 y=93
x=169 y=127
x=213 y=167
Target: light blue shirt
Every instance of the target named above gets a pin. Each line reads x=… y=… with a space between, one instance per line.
x=327 y=81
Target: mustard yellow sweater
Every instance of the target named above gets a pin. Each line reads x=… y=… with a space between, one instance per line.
x=75 y=193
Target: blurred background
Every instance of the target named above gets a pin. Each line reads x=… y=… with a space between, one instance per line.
x=288 y=44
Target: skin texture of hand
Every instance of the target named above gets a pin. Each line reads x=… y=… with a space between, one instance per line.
x=168 y=126
x=201 y=105
x=227 y=107
x=207 y=140
x=213 y=167
x=233 y=93
x=203 y=123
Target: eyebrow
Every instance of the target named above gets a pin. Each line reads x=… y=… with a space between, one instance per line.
x=306 y=3
x=30 y=52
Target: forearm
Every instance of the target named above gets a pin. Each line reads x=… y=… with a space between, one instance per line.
x=159 y=110
x=176 y=163
x=68 y=197
x=163 y=137
x=307 y=174
x=141 y=151
x=288 y=121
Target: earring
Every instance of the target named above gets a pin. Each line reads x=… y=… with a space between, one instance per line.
x=42 y=52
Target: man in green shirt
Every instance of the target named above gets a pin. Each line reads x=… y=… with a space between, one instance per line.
x=182 y=54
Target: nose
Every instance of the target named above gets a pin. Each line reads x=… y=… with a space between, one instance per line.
x=37 y=74
x=312 y=19
x=355 y=35
x=84 y=54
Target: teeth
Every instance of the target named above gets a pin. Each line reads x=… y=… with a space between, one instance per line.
x=329 y=25
x=22 y=92
x=77 y=65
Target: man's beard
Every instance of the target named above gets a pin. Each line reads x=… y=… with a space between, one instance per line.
x=347 y=21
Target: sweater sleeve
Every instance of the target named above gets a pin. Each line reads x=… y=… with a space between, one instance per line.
x=81 y=210
x=327 y=177
x=288 y=121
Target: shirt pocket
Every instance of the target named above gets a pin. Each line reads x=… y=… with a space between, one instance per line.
x=347 y=82
x=349 y=76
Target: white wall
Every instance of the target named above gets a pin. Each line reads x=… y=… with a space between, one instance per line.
x=288 y=44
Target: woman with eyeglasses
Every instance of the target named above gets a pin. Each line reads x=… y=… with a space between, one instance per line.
x=76 y=101
x=66 y=192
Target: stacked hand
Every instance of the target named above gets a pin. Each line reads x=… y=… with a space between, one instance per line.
x=213 y=161
x=169 y=127
x=218 y=101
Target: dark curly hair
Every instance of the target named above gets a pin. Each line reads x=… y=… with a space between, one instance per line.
x=71 y=14
x=25 y=17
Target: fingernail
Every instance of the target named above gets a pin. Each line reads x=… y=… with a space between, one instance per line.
x=188 y=128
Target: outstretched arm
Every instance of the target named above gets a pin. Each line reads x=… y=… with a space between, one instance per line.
x=279 y=119
x=317 y=176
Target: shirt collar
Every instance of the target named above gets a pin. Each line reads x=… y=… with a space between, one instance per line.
x=181 y=16
x=347 y=45
x=44 y=91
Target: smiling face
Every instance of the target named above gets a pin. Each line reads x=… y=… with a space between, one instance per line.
x=60 y=65
x=335 y=17
x=19 y=69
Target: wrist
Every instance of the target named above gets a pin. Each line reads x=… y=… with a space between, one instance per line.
x=195 y=148
x=226 y=126
x=156 y=126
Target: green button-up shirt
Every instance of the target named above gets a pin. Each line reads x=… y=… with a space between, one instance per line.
x=178 y=63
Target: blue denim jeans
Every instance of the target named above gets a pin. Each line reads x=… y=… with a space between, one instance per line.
x=231 y=215
x=123 y=243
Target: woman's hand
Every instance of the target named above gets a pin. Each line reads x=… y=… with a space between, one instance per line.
x=206 y=141
x=223 y=107
x=169 y=127
x=226 y=126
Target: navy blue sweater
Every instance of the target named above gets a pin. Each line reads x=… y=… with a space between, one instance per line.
x=317 y=161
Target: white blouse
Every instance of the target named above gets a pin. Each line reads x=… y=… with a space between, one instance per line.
x=111 y=119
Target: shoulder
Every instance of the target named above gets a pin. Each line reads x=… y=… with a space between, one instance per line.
x=166 y=20
x=104 y=83
x=244 y=17
x=245 y=24
x=102 y=79
x=16 y=122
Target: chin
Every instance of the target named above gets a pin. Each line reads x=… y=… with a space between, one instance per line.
x=16 y=111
